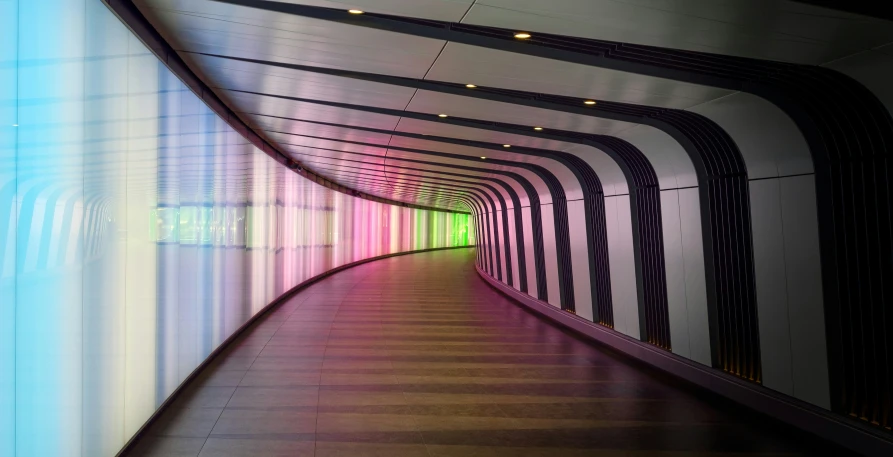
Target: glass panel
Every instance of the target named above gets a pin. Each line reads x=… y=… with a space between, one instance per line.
x=138 y=230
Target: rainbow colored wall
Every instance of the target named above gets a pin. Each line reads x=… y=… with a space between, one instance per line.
x=138 y=231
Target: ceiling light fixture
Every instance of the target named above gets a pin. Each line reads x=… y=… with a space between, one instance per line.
x=506 y=145
x=589 y=102
x=441 y=115
x=355 y=11
x=470 y=86
x=537 y=128
x=483 y=158
x=522 y=35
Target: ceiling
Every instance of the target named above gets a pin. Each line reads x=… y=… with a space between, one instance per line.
x=368 y=134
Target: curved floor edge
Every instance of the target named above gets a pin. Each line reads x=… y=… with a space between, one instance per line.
x=131 y=443
x=806 y=417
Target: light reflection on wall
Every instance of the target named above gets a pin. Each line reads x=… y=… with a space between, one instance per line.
x=138 y=231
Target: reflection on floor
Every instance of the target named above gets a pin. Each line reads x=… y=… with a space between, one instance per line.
x=416 y=356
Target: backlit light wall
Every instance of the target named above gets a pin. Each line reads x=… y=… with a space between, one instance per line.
x=138 y=230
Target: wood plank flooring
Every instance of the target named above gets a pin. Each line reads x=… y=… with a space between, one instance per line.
x=417 y=356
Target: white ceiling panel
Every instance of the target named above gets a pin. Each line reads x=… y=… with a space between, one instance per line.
x=232 y=74
x=767 y=29
x=326 y=131
x=293 y=140
x=455 y=105
x=609 y=173
x=259 y=104
x=772 y=29
x=430 y=182
x=309 y=151
x=435 y=166
x=232 y=30
x=564 y=175
x=460 y=63
x=441 y=10
x=373 y=180
x=418 y=143
x=468 y=133
x=542 y=190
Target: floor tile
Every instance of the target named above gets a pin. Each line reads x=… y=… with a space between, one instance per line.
x=205 y=397
x=352 y=422
x=328 y=449
x=164 y=446
x=264 y=421
x=262 y=397
x=186 y=422
x=416 y=357
x=242 y=447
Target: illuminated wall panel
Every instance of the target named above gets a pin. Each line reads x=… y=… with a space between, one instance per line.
x=138 y=231
x=8 y=221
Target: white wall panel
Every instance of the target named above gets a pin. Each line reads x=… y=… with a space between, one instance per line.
x=695 y=285
x=580 y=258
x=481 y=242
x=627 y=278
x=789 y=288
x=772 y=303
x=551 y=254
x=506 y=266
x=498 y=247
x=623 y=271
x=513 y=241
x=674 y=259
x=529 y=251
x=491 y=246
x=804 y=285
x=487 y=244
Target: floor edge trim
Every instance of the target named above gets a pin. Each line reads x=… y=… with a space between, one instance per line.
x=804 y=416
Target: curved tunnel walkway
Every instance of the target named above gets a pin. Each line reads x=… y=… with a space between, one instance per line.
x=416 y=356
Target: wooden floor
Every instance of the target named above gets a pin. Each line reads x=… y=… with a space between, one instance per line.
x=417 y=356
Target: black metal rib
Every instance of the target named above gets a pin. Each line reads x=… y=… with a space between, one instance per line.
x=593 y=196
x=481 y=196
x=562 y=236
x=505 y=228
x=731 y=284
x=872 y=9
x=533 y=198
x=487 y=202
x=652 y=297
x=644 y=202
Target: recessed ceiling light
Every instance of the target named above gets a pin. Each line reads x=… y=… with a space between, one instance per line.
x=522 y=35
x=483 y=157
x=442 y=115
x=589 y=102
x=355 y=11
x=506 y=145
x=537 y=128
x=470 y=86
